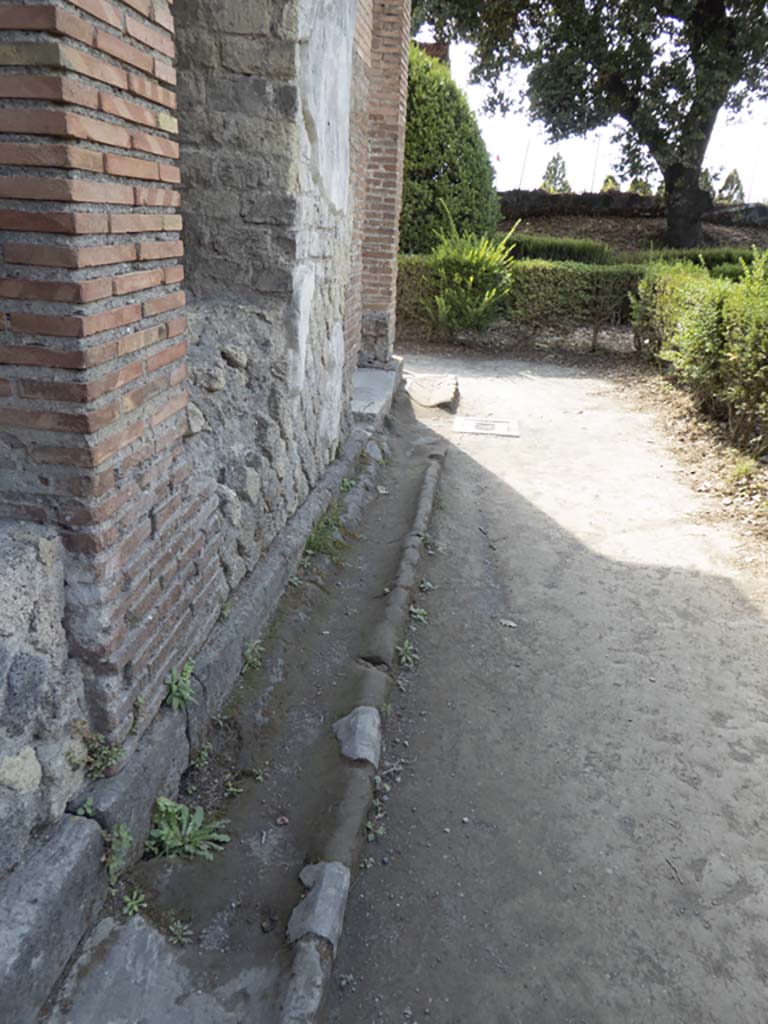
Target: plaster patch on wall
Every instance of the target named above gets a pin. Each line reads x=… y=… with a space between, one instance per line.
x=325 y=90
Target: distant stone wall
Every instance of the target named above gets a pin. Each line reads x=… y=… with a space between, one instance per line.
x=538 y=203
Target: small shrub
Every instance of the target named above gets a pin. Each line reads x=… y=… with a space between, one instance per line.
x=744 y=370
x=714 y=332
x=180 y=687
x=473 y=277
x=179 y=831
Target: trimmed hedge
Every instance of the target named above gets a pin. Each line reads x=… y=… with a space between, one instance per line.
x=546 y=247
x=544 y=295
x=709 y=257
x=547 y=294
x=714 y=332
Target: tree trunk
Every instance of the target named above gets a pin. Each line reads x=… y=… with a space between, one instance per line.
x=686 y=202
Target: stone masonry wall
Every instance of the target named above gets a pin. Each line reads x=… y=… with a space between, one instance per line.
x=267 y=201
x=42 y=694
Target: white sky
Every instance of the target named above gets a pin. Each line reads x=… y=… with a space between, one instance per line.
x=521 y=151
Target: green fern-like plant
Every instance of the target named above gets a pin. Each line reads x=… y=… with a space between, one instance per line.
x=180 y=831
x=473 y=277
x=179 y=685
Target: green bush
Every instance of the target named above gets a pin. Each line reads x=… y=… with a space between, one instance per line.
x=744 y=370
x=445 y=159
x=546 y=247
x=660 y=300
x=714 y=332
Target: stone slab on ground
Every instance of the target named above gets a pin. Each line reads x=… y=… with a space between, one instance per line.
x=359 y=735
x=372 y=394
x=321 y=912
x=128 y=973
x=433 y=390
x=48 y=903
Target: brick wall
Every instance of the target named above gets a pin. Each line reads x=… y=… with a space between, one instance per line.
x=353 y=325
x=387 y=107
x=93 y=392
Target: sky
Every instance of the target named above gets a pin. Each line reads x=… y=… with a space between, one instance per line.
x=520 y=151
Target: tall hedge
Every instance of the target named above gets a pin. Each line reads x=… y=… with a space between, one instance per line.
x=445 y=158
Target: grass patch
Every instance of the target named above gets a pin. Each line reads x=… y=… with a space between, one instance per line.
x=325 y=538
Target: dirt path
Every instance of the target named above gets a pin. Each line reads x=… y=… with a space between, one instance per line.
x=581 y=829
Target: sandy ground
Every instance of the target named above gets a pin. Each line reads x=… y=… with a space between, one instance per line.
x=580 y=829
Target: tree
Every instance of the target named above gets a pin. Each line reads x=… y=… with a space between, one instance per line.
x=610 y=184
x=445 y=160
x=640 y=187
x=555 y=177
x=731 y=191
x=663 y=68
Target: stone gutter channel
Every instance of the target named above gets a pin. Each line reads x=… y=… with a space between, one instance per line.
x=128 y=971
x=317 y=922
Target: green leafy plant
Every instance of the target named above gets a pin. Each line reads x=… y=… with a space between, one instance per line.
x=179 y=831
x=347 y=485
x=179 y=685
x=445 y=159
x=100 y=755
x=407 y=654
x=203 y=756
x=226 y=611
x=180 y=934
x=133 y=903
x=231 y=787
x=119 y=842
x=86 y=809
x=418 y=614
x=253 y=656
x=374 y=830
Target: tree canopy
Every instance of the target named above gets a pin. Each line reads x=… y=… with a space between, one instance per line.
x=664 y=68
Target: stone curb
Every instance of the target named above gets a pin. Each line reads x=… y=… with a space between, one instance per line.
x=61 y=886
x=313 y=958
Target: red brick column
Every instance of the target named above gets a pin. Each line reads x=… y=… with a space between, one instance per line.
x=92 y=383
x=358 y=153
x=387 y=109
